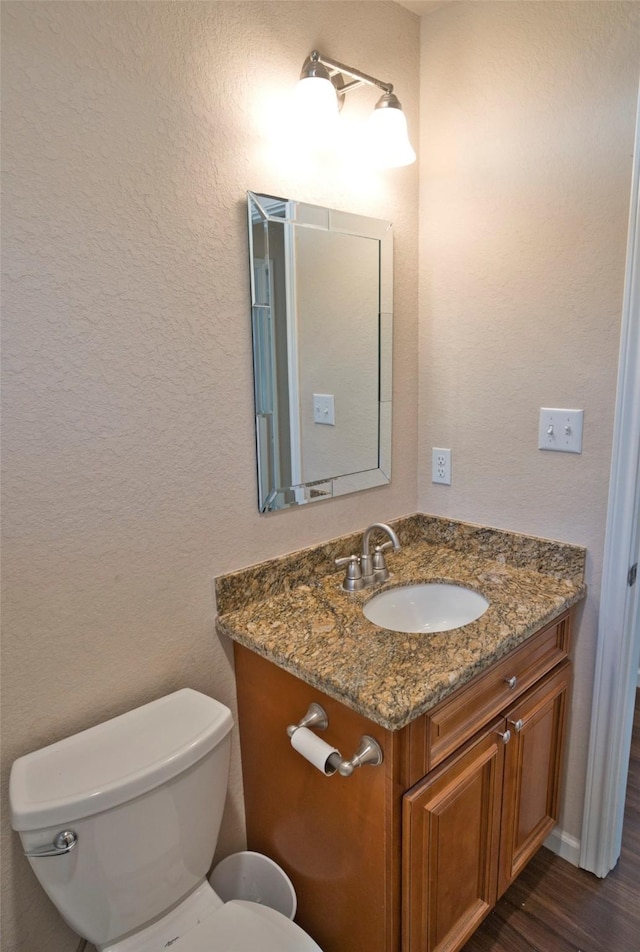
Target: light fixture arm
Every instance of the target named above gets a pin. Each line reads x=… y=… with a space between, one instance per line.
x=359 y=78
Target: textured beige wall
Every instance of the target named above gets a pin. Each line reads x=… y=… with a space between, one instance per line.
x=527 y=119
x=131 y=132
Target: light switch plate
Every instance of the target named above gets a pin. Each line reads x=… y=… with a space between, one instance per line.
x=560 y=430
x=324 y=410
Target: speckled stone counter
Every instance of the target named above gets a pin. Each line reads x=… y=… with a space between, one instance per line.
x=294 y=612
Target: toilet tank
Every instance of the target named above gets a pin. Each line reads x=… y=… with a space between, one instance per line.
x=144 y=793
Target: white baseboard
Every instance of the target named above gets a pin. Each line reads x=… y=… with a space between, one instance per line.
x=564 y=845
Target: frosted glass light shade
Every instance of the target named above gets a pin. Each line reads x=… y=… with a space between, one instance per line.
x=388 y=138
x=316 y=99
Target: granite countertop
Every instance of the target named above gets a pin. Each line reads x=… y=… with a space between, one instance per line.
x=304 y=622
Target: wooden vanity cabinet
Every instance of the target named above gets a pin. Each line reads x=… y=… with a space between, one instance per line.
x=411 y=855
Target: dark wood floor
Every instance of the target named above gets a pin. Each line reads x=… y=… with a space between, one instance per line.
x=554 y=907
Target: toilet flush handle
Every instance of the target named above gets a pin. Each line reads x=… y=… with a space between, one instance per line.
x=63 y=843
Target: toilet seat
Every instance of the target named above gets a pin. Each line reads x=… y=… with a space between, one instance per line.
x=241 y=926
x=203 y=923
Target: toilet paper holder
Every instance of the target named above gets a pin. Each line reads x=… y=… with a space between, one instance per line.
x=368 y=752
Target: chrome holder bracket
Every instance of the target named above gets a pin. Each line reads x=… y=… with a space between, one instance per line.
x=369 y=752
x=316 y=717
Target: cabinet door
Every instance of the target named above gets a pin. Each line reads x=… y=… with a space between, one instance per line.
x=533 y=762
x=451 y=831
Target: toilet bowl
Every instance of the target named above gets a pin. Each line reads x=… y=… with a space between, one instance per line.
x=120 y=824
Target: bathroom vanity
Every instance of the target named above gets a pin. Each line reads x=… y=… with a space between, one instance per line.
x=412 y=854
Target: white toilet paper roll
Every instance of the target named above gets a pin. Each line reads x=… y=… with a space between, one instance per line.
x=314 y=749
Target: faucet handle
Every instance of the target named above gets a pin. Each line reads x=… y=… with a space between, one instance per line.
x=353 y=579
x=380 y=570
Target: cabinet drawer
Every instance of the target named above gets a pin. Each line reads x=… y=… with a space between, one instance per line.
x=466 y=711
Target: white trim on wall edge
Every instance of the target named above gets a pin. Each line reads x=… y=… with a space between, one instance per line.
x=564 y=845
x=617 y=649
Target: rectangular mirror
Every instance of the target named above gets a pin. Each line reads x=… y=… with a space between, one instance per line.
x=321 y=307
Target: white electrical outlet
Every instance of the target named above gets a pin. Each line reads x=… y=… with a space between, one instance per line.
x=440 y=466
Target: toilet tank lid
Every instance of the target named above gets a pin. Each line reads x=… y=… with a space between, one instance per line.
x=115 y=761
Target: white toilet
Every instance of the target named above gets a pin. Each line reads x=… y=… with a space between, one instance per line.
x=125 y=818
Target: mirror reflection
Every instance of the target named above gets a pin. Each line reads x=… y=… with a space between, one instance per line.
x=321 y=289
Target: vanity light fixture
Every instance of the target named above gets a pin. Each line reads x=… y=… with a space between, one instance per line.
x=322 y=87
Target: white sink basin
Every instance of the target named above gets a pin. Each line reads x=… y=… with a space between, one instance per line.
x=433 y=606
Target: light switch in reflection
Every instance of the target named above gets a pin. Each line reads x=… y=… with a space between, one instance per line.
x=324 y=409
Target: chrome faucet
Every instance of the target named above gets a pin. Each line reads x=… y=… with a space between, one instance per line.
x=367 y=569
